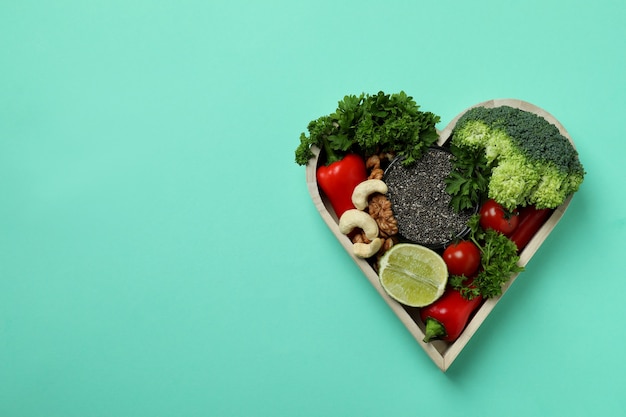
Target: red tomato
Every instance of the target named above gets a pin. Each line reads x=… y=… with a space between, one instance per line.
x=493 y=216
x=462 y=258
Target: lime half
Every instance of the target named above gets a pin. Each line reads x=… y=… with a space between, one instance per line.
x=412 y=274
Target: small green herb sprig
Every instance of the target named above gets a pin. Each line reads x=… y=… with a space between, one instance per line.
x=468 y=181
x=499 y=261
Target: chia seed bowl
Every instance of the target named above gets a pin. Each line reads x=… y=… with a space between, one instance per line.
x=420 y=202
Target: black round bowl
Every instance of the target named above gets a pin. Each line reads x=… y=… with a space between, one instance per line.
x=420 y=202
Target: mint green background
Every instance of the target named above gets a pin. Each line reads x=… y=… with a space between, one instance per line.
x=160 y=254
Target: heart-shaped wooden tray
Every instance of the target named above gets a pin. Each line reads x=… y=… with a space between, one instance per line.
x=442 y=353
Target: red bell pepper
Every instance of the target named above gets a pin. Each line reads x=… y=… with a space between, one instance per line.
x=447 y=317
x=339 y=179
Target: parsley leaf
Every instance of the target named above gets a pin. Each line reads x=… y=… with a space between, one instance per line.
x=369 y=124
x=499 y=261
x=469 y=179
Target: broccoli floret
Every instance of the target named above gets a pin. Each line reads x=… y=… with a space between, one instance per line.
x=513 y=180
x=552 y=188
x=472 y=133
x=530 y=161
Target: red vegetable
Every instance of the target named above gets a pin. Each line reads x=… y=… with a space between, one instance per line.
x=446 y=318
x=462 y=258
x=531 y=219
x=339 y=179
x=493 y=216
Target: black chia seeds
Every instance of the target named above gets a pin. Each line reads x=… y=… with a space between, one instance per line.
x=420 y=202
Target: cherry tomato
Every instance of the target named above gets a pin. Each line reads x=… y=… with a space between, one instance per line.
x=462 y=258
x=493 y=216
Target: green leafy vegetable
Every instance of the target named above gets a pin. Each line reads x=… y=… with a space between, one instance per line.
x=468 y=181
x=368 y=124
x=529 y=161
x=499 y=260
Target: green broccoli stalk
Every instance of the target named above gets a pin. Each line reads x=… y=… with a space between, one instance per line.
x=527 y=160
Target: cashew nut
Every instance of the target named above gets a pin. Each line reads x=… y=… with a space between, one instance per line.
x=367 y=250
x=353 y=218
x=365 y=189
